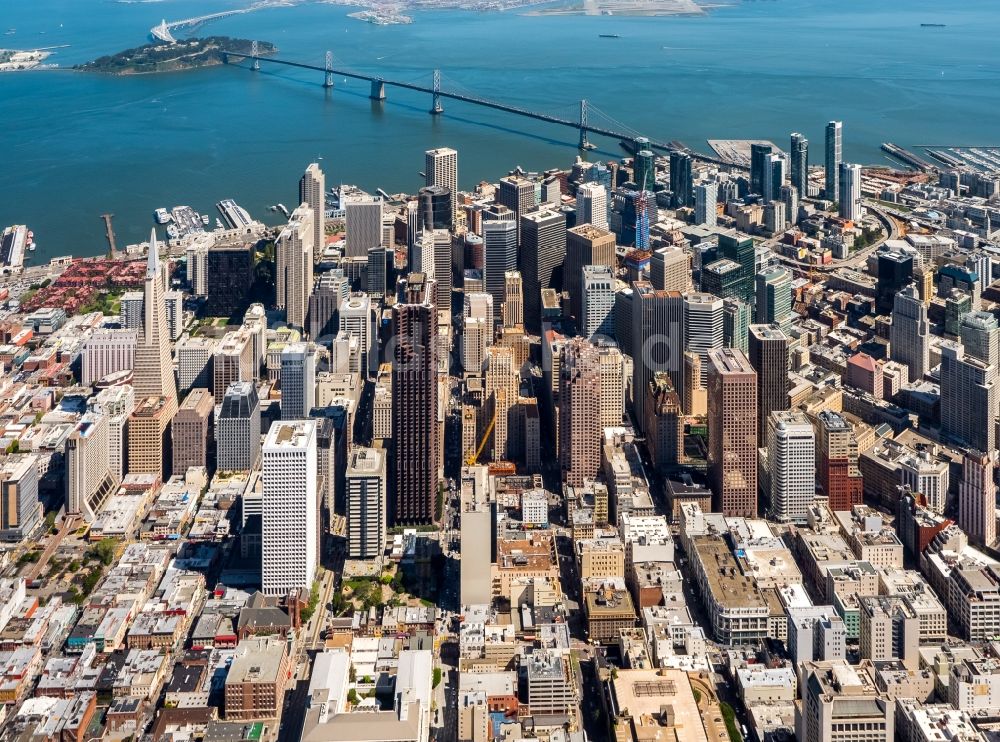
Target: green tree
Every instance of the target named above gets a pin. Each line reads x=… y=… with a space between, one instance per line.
x=103 y=551
x=437 y=677
x=352 y=697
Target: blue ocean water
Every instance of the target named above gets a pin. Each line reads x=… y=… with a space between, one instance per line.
x=75 y=145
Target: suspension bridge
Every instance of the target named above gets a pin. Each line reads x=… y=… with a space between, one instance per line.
x=583 y=122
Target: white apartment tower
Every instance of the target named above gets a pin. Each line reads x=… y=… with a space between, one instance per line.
x=791 y=466
x=365 y=487
x=850 y=192
x=290 y=538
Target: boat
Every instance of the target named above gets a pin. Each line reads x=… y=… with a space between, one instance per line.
x=162 y=216
x=932 y=25
x=284 y=210
x=172 y=231
x=218 y=224
x=204 y=219
x=608 y=36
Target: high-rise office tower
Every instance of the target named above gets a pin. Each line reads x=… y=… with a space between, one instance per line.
x=130 y=311
x=543 y=248
x=356 y=319
x=706 y=197
x=592 y=205
x=663 y=423
x=106 y=352
x=518 y=195
x=501 y=391
x=376 y=278
x=499 y=252
x=363 y=224
x=910 y=333
x=232 y=361
x=735 y=323
x=154 y=370
x=774 y=175
x=789 y=196
x=834 y=156
x=969 y=398
x=837 y=470
x=237 y=431
x=681 y=178
x=228 y=278
x=657 y=339
x=980 y=335
x=598 y=318
x=255 y=324
x=192 y=432
x=850 y=192
x=298 y=380
x=774 y=297
x=585 y=245
x=704 y=327
x=415 y=400
x=441 y=169
x=149 y=441
x=513 y=300
x=173 y=304
x=613 y=385
x=442 y=269
x=197 y=271
x=760 y=171
x=294 y=266
x=290 y=535
x=895 y=270
x=732 y=433
x=365 y=490
x=791 y=465
x=116 y=404
x=20 y=509
x=800 y=164
x=768 y=354
x=670 y=269
x=579 y=412
x=89 y=480
x=312 y=192
x=742 y=252
x=477 y=330
x=644 y=170
x=331 y=289
x=977 y=498
x=436 y=210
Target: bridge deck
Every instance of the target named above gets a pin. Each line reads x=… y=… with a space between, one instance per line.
x=602 y=131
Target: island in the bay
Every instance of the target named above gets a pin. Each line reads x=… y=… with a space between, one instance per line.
x=182 y=55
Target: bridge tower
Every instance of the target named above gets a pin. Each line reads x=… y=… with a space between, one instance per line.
x=328 y=80
x=584 y=142
x=437 y=108
x=378 y=89
x=254 y=58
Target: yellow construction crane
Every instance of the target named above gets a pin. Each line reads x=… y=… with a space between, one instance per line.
x=472 y=458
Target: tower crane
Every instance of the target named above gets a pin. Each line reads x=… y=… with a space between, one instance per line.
x=473 y=457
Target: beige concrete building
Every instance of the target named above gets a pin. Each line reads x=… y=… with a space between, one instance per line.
x=579 y=439
x=192 y=431
x=732 y=427
x=294 y=250
x=149 y=437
